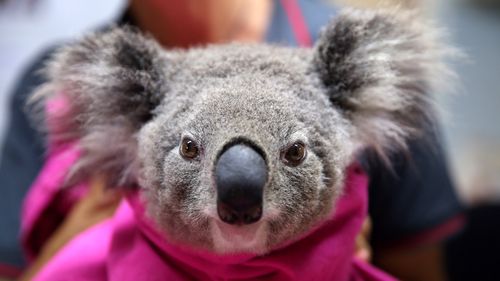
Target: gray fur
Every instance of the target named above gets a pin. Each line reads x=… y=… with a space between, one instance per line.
x=379 y=68
x=112 y=81
x=365 y=84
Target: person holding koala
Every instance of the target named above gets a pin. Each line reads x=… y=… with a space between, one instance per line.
x=341 y=80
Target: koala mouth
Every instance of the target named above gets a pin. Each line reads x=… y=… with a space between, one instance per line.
x=229 y=238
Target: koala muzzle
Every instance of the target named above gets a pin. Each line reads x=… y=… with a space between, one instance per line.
x=241 y=174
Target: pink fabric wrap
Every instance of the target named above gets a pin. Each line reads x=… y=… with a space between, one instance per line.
x=127 y=246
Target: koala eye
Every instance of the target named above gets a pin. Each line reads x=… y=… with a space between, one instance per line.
x=189 y=148
x=294 y=154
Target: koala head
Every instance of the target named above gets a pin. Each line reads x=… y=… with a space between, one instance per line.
x=243 y=148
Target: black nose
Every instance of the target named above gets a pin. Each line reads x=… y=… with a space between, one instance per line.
x=241 y=173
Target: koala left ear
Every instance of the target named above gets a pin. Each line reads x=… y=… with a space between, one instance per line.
x=379 y=68
x=110 y=82
x=114 y=74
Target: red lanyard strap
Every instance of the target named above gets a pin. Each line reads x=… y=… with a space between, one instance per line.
x=297 y=22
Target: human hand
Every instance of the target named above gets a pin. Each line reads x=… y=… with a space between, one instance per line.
x=363 y=250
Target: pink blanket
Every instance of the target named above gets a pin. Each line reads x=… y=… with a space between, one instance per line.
x=128 y=247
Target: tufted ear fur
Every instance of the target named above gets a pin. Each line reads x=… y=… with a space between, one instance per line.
x=110 y=84
x=380 y=69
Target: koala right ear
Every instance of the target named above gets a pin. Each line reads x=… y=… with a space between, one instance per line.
x=381 y=69
x=111 y=83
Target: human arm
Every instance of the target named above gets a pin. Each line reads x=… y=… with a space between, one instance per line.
x=414 y=209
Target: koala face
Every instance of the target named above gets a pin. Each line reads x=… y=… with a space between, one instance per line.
x=243 y=148
x=253 y=154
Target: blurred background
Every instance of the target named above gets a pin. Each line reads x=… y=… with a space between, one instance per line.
x=471 y=116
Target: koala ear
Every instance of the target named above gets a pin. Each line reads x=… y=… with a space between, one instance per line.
x=380 y=69
x=110 y=75
x=110 y=82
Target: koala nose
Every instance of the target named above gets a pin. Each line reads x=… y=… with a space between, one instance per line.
x=241 y=173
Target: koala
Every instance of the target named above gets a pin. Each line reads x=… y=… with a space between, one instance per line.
x=242 y=148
